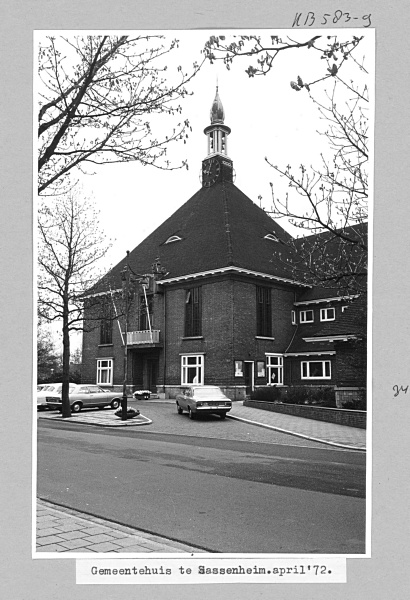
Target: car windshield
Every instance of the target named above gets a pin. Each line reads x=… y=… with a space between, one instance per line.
x=208 y=392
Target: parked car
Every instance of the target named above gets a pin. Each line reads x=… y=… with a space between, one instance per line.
x=47 y=390
x=86 y=396
x=203 y=399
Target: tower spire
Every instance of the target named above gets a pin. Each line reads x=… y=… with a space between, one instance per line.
x=217 y=131
x=217 y=166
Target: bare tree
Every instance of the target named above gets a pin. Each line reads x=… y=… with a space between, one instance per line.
x=265 y=52
x=70 y=244
x=96 y=97
x=334 y=196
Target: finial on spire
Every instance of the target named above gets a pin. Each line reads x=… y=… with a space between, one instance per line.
x=217 y=110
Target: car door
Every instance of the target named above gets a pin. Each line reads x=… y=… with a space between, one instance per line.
x=97 y=397
x=82 y=394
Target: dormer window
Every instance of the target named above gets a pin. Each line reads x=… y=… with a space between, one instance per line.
x=306 y=316
x=327 y=314
x=272 y=237
x=173 y=238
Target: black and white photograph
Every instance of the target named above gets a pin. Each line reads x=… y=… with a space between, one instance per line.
x=203 y=235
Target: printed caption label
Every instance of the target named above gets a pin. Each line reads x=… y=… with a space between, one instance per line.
x=218 y=570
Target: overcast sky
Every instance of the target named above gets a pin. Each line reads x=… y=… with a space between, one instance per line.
x=267 y=119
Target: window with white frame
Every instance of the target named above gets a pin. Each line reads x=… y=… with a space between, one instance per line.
x=316 y=369
x=104 y=371
x=192 y=369
x=306 y=316
x=274 y=368
x=293 y=315
x=327 y=314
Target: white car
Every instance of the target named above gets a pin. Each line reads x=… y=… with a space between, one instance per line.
x=47 y=390
x=202 y=400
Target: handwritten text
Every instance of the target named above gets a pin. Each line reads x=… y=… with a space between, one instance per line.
x=338 y=16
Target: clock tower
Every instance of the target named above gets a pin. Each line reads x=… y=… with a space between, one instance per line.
x=217 y=166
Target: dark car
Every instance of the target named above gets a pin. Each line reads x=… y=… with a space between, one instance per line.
x=85 y=396
x=203 y=399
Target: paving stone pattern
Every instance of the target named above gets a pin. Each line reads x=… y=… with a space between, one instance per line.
x=61 y=529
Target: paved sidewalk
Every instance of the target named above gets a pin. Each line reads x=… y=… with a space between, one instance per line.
x=328 y=433
x=60 y=529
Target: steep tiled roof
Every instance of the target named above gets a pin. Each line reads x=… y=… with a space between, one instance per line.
x=219 y=227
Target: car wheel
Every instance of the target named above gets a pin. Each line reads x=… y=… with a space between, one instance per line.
x=223 y=415
x=191 y=414
x=179 y=409
x=76 y=407
x=115 y=404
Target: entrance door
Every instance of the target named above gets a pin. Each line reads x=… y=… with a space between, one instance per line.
x=152 y=374
x=248 y=377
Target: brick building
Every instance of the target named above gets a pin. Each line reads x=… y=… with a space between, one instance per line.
x=215 y=300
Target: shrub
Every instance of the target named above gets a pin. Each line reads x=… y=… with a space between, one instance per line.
x=359 y=404
x=297 y=395
x=131 y=412
x=270 y=393
x=320 y=396
x=324 y=396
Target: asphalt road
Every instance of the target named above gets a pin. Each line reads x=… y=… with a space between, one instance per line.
x=228 y=493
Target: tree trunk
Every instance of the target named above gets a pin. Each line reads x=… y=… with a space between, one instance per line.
x=66 y=409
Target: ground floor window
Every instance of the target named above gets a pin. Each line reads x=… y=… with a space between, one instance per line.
x=192 y=369
x=104 y=371
x=274 y=367
x=316 y=369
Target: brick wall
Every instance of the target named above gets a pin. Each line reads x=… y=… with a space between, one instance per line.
x=349 y=394
x=351 y=363
x=228 y=334
x=228 y=331
x=216 y=339
x=92 y=349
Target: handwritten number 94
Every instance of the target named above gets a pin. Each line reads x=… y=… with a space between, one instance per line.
x=397 y=389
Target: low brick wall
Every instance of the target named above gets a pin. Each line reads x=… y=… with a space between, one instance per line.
x=351 y=418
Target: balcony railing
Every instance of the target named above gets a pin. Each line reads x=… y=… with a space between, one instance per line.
x=143 y=337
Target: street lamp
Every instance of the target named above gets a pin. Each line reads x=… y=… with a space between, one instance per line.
x=127 y=278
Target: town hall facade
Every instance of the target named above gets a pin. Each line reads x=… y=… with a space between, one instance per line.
x=211 y=298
